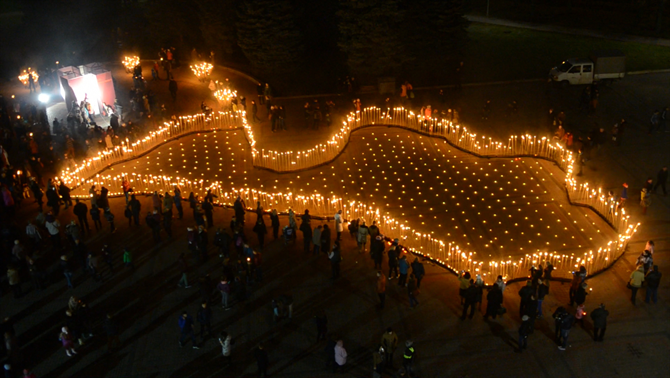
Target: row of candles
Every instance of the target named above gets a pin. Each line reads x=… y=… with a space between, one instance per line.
x=444 y=253
x=130 y=62
x=459 y=136
x=24 y=78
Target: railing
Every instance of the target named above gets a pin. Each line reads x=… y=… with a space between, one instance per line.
x=447 y=254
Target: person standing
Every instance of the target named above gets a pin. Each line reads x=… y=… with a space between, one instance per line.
x=67 y=341
x=81 y=211
x=567 y=321
x=262 y=361
x=412 y=291
x=403 y=266
x=524 y=331
x=645 y=200
x=599 y=317
x=125 y=185
x=661 y=179
x=339 y=224
x=260 y=231
x=470 y=300
x=154 y=224
x=389 y=342
x=653 y=280
x=635 y=283
x=226 y=340
x=378 y=363
x=177 y=202
x=186 y=330
x=205 y=320
x=110 y=218
x=525 y=293
x=53 y=227
x=381 y=288
x=321 y=325
x=393 y=261
x=494 y=301
x=463 y=285
x=316 y=239
x=112 y=331
x=542 y=291
x=335 y=259
x=408 y=357
x=340 y=356
x=135 y=208
x=172 y=87
x=362 y=236
x=418 y=271
x=224 y=288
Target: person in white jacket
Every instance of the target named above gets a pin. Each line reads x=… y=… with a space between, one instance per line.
x=225 y=341
x=340 y=355
x=339 y=224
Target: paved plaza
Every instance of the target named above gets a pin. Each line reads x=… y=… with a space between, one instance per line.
x=147 y=301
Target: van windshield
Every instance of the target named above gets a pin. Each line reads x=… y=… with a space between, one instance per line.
x=564 y=67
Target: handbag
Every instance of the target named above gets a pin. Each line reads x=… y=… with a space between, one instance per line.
x=628 y=285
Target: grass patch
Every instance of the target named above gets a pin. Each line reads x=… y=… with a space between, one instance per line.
x=497 y=53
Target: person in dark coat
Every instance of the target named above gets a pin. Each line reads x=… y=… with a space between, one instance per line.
x=580 y=295
x=260 y=231
x=81 y=211
x=274 y=219
x=325 y=239
x=306 y=229
x=208 y=208
x=205 y=319
x=418 y=270
x=542 y=291
x=135 y=208
x=262 y=361
x=524 y=331
x=393 y=261
x=599 y=317
x=494 y=301
x=653 y=280
x=525 y=294
x=238 y=206
x=222 y=240
x=470 y=300
x=95 y=216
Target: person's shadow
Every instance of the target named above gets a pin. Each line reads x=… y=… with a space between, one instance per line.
x=498 y=330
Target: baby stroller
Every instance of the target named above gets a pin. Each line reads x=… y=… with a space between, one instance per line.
x=288 y=233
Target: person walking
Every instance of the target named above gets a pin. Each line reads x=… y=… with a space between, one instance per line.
x=558 y=316
x=335 y=259
x=325 y=239
x=463 y=285
x=412 y=291
x=340 y=356
x=205 y=320
x=381 y=288
x=635 y=283
x=567 y=321
x=154 y=224
x=67 y=270
x=274 y=220
x=225 y=339
x=378 y=363
x=645 y=200
x=524 y=331
x=67 y=341
x=186 y=330
x=494 y=301
x=599 y=317
x=81 y=211
x=362 y=236
x=525 y=293
x=661 y=179
x=260 y=231
x=377 y=247
x=262 y=360
x=653 y=280
x=184 y=268
x=408 y=358
x=128 y=259
x=53 y=227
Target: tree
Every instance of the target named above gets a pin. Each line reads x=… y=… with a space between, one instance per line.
x=370 y=36
x=217 y=24
x=268 y=36
x=435 y=31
